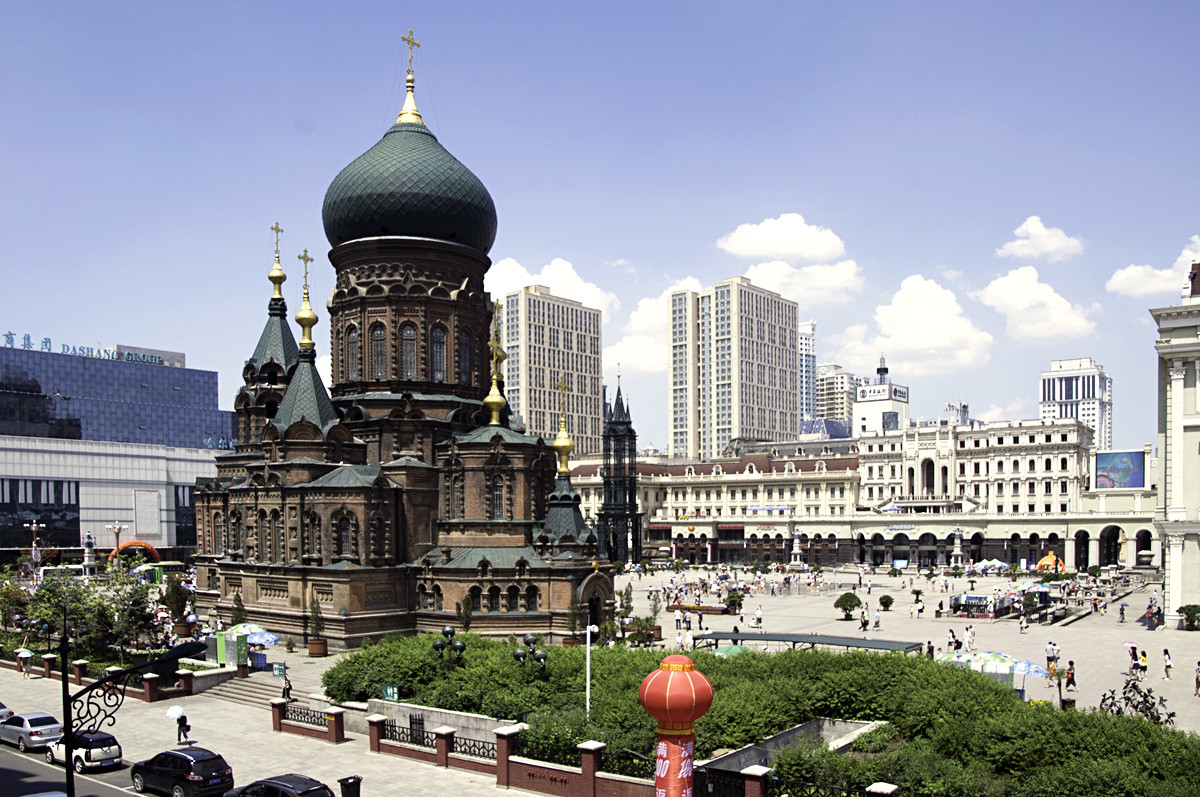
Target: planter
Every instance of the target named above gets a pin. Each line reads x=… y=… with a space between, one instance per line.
x=318 y=647
x=182 y=628
x=656 y=630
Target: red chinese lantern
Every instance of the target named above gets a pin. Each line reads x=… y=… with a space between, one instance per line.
x=676 y=695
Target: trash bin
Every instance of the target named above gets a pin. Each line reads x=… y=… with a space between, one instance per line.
x=350 y=786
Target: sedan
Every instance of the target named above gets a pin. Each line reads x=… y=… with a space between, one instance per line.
x=92 y=749
x=283 y=786
x=5 y=712
x=35 y=729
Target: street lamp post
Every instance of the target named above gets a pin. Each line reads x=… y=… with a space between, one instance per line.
x=116 y=529
x=34 y=527
x=587 y=700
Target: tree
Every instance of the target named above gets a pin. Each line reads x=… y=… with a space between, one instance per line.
x=848 y=602
x=128 y=603
x=237 y=615
x=885 y=602
x=733 y=601
x=572 y=614
x=917 y=593
x=1191 y=613
x=316 y=620
x=175 y=598
x=627 y=600
x=1134 y=701
x=655 y=606
x=465 y=613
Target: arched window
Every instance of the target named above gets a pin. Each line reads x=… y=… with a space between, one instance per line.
x=408 y=352
x=513 y=603
x=476 y=598
x=531 y=599
x=464 y=358
x=498 y=498
x=353 y=362
x=439 y=354
x=456 y=496
x=493 y=602
x=218 y=534
x=378 y=352
x=437 y=598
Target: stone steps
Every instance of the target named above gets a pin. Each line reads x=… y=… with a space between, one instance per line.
x=258 y=690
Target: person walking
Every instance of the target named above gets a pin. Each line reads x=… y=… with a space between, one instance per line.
x=1050 y=656
x=1133 y=662
x=877 y=626
x=1071 y=677
x=678 y=620
x=1198 y=679
x=929 y=654
x=1166 y=664
x=181 y=729
x=1143 y=665
x=1024 y=624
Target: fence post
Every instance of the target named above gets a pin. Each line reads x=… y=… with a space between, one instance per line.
x=589 y=764
x=150 y=687
x=278 y=708
x=754 y=778
x=185 y=680
x=445 y=744
x=336 y=724
x=80 y=668
x=375 y=725
x=48 y=665
x=506 y=743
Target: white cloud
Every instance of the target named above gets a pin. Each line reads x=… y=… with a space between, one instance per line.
x=809 y=285
x=324 y=366
x=558 y=275
x=1145 y=280
x=1015 y=410
x=1035 y=239
x=645 y=346
x=921 y=332
x=1032 y=310
x=788 y=237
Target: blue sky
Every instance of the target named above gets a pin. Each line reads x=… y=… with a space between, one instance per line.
x=971 y=191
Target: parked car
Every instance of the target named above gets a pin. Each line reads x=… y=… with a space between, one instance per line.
x=283 y=786
x=5 y=712
x=35 y=729
x=186 y=772
x=96 y=749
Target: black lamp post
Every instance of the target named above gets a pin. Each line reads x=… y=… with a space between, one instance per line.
x=456 y=645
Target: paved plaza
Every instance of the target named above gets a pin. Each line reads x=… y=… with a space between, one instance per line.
x=1096 y=643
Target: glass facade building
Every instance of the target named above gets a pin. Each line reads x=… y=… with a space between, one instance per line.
x=113 y=395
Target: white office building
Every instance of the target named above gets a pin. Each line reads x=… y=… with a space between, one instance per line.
x=547 y=339
x=806 y=369
x=836 y=388
x=1079 y=389
x=733 y=368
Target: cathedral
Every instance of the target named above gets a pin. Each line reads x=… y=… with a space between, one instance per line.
x=407 y=496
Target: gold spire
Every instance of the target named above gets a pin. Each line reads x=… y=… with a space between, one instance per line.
x=277 y=277
x=494 y=400
x=563 y=445
x=409 y=113
x=305 y=316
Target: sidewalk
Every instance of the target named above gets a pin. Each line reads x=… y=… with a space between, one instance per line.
x=243 y=735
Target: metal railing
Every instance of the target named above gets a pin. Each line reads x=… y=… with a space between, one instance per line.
x=398 y=733
x=475 y=748
x=304 y=716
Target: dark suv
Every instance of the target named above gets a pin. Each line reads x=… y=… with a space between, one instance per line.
x=283 y=786
x=186 y=772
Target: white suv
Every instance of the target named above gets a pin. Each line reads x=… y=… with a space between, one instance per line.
x=96 y=749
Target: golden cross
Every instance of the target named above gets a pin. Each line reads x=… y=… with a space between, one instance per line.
x=412 y=42
x=561 y=386
x=306 y=260
x=276 y=229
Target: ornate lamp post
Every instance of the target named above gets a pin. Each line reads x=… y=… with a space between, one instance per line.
x=116 y=529
x=34 y=527
x=676 y=694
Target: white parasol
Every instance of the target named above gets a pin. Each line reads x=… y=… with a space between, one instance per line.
x=174 y=712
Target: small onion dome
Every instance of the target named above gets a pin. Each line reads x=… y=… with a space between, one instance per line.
x=676 y=694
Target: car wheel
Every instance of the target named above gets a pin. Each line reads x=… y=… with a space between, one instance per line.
x=139 y=783
x=79 y=765
x=21 y=744
x=177 y=792
x=49 y=756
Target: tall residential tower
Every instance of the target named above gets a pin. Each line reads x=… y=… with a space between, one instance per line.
x=733 y=368
x=1079 y=389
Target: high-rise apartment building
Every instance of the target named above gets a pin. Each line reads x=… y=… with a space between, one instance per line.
x=548 y=339
x=733 y=368
x=1079 y=389
x=835 y=387
x=806 y=368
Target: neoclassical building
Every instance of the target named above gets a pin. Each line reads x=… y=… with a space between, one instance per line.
x=401 y=496
x=1014 y=490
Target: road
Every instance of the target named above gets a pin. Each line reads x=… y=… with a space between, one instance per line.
x=28 y=773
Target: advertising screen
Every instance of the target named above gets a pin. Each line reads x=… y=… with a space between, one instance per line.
x=1120 y=470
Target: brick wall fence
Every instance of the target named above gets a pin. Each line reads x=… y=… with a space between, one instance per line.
x=152 y=689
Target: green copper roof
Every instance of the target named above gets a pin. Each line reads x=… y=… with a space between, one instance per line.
x=276 y=342
x=409 y=185
x=484 y=434
x=305 y=398
x=498 y=558
x=348 y=476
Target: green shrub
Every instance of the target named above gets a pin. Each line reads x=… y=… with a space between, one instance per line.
x=847 y=602
x=885 y=602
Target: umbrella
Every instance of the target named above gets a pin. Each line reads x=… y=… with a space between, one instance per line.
x=262 y=638
x=191 y=618
x=1026 y=667
x=729 y=651
x=1131 y=644
x=24 y=653
x=246 y=628
x=1124 y=603
x=174 y=712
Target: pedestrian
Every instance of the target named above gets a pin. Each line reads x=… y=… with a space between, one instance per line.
x=1071 y=677
x=758 y=616
x=1133 y=662
x=877 y=626
x=678 y=619
x=689 y=641
x=868 y=586
x=1050 y=655
x=1198 y=679
x=862 y=621
x=679 y=641
x=929 y=653
x=181 y=729
x=1166 y=664
x=1142 y=665
x=287 y=688
x=1050 y=673
x=700 y=619
x=23 y=664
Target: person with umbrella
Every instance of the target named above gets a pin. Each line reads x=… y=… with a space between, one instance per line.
x=23 y=657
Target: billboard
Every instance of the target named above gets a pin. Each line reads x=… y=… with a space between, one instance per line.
x=883 y=393
x=1120 y=470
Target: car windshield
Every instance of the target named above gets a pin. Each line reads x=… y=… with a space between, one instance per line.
x=39 y=722
x=210 y=766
